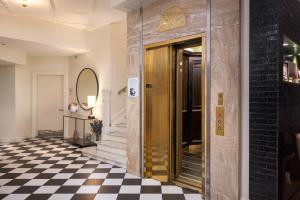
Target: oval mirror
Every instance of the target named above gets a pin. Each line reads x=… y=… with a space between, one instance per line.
x=87 y=88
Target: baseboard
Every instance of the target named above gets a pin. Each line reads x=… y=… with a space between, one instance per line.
x=4 y=141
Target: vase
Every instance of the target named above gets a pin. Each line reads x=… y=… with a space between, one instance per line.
x=98 y=135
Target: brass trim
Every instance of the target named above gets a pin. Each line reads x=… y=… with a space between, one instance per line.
x=204 y=111
x=173 y=41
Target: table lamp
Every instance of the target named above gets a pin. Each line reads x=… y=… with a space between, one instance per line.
x=91 y=105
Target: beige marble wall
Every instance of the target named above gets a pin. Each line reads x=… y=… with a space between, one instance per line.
x=196 y=23
x=133 y=104
x=225 y=78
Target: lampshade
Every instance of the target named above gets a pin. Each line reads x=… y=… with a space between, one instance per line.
x=91 y=101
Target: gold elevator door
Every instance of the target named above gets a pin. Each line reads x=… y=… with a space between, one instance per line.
x=157 y=78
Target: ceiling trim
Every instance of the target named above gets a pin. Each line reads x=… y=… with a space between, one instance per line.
x=66 y=22
x=129 y=5
x=6 y=6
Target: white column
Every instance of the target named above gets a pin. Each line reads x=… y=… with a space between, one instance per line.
x=106 y=112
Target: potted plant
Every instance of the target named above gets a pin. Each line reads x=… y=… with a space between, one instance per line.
x=97 y=128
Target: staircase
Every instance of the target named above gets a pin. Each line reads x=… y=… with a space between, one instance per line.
x=112 y=147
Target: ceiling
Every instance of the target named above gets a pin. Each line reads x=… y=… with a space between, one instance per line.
x=128 y=5
x=37 y=49
x=82 y=14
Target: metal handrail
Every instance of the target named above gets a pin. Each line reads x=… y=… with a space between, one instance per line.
x=124 y=89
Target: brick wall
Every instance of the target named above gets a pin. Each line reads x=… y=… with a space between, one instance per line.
x=264 y=99
x=274 y=105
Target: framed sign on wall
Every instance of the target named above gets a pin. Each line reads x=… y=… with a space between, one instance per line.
x=133 y=87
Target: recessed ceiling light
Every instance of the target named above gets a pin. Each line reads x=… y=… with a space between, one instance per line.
x=285 y=44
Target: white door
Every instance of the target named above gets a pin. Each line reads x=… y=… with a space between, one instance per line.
x=50 y=102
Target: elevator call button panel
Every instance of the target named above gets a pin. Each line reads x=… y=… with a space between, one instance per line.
x=220 y=120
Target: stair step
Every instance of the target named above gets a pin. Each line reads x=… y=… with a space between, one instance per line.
x=119 y=129
x=122 y=125
x=114 y=147
x=104 y=156
x=115 y=144
x=117 y=136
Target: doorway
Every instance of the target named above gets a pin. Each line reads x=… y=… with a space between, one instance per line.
x=49 y=103
x=174 y=115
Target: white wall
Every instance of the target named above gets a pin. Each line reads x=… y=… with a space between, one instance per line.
x=118 y=66
x=12 y=55
x=50 y=64
x=108 y=57
x=23 y=85
x=15 y=103
x=97 y=59
x=7 y=104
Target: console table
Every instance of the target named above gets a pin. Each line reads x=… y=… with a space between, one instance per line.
x=81 y=142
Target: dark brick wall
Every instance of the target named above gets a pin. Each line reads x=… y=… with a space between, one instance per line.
x=265 y=45
x=274 y=105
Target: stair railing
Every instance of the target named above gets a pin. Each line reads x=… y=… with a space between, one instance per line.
x=123 y=90
x=106 y=112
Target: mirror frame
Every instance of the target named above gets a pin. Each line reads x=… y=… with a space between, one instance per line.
x=87 y=68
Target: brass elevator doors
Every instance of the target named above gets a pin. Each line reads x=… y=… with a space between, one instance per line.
x=166 y=150
x=157 y=82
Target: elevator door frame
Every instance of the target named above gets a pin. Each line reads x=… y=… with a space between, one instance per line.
x=172 y=133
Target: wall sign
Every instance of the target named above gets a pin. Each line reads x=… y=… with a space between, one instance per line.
x=172 y=18
x=133 y=87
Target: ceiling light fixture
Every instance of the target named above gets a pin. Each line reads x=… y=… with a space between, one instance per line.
x=285 y=44
x=24 y=4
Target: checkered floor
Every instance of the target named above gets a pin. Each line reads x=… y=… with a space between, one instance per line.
x=47 y=168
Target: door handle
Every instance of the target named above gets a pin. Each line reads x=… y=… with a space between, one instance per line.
x=149 y=85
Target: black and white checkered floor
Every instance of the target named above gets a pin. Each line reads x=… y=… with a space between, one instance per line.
x=47 y=168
